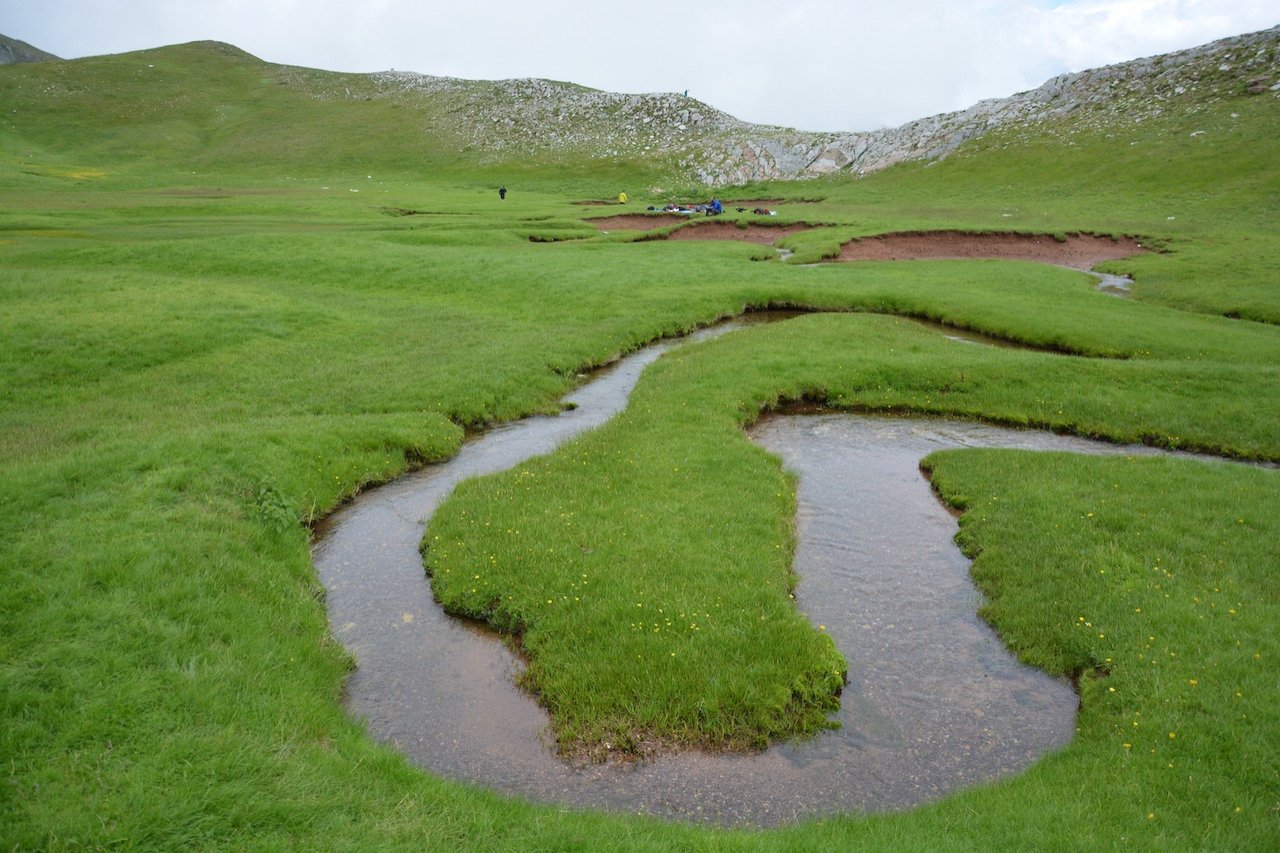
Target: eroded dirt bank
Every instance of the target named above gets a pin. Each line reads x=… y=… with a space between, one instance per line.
x=751 y=233
x=698 y=227
x=635 y=221
x=1080 y=251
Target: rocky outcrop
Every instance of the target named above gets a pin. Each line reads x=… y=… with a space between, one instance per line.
x=1132 y=91
x=13 y=51
x=542 y=118
x=538 y=116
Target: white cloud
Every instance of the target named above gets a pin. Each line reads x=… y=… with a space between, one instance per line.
x=807 y=64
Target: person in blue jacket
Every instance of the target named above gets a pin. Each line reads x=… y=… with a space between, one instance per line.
x=715 y=208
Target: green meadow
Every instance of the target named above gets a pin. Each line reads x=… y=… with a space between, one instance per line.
x=229 y=301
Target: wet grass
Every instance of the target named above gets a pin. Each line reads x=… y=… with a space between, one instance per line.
x=193 y=367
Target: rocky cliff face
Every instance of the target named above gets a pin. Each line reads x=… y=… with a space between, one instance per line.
x=1129 y=91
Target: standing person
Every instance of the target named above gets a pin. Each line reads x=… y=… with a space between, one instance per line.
x=502 y=193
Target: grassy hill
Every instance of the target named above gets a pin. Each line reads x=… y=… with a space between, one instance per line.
x=209 y=108
x=1201 y=183
x=13 y=50
x=232 y=294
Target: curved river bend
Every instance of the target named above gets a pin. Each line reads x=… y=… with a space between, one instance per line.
x=935 y=701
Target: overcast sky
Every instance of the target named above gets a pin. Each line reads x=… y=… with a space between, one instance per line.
x=830 y=65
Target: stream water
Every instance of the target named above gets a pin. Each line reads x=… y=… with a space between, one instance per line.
x=1114 y=285
x=934 y=703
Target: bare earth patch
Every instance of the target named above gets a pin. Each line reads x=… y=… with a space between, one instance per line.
x=698 y=227
x=1079 y=251
x=752 y=233
x=635 y=221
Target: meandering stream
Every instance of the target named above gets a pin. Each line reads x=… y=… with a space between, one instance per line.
x=935 y=702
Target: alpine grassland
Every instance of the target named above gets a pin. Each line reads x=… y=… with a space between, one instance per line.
x=234 y=294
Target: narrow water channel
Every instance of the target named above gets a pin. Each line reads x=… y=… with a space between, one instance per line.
x=934 y=703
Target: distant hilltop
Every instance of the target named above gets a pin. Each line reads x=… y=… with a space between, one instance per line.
x=541 y=116
x=549 y=122
x=13 y=51
x=1129 y=90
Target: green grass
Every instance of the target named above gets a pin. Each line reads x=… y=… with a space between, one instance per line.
x=195 y=366
x=575 y=552
x=1208 y=199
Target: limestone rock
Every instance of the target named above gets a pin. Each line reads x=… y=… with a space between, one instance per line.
x=543 y=118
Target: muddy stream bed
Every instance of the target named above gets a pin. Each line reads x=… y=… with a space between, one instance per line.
x=935 y=702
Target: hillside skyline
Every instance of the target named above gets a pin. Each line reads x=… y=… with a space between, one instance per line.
x=877 y=67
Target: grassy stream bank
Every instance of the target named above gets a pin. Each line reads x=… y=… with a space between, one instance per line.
x=194 y=367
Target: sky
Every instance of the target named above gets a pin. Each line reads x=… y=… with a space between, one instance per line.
x=822 y=66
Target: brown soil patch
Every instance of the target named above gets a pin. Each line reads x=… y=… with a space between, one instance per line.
x=752 y=233
x=1079 y=251
x=698 y=227
x=635 y=221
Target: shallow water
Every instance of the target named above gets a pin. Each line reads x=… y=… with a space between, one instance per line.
x=1114 y=285
x=934 y=703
